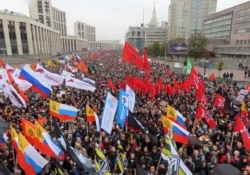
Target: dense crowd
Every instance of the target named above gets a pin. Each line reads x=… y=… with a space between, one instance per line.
x=214 y=146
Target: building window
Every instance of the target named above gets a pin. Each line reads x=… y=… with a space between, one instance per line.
x=2 y=41
x=23 y=33
x=12 y=36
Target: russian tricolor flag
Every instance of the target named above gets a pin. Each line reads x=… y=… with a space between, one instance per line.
x=180 y=134
x=37 y=85
x=62 y=111
x=45 y=144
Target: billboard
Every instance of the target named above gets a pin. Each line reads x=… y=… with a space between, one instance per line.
x=178 y=48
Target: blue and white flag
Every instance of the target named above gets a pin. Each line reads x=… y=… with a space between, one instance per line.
x=109 y=112
x=122 y=110
x=131 y=98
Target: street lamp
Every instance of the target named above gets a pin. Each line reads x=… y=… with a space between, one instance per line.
x=3 y=53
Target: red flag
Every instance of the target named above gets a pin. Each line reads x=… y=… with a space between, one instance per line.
x=131 y=56
x=219 y=101
x=194 y=78
x=176 y=87
x=211 y=77
x=202 y=97
x=205 y=114
x=246 y=139
x=122 y=85
x=111 y=85
x=146 y=63
x=169 y=73
x=238 y=124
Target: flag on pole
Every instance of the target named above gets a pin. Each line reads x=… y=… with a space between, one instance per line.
x=188 y=67
x=28 y=157
x=90 y=114
x=176 y=166
x=122 y=110
x=101 y=163
x=109 y=113
x=82 y=162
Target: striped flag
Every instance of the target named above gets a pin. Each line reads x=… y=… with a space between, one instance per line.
x=176 y=164
x=101 y=163
x=166 y=150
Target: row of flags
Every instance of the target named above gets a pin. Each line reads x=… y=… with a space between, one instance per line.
x=14 y=82
x=29 y=156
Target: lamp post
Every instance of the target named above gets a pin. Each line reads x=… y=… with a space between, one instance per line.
x=3 y=53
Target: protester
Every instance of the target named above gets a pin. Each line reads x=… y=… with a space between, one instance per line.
x=220 y=145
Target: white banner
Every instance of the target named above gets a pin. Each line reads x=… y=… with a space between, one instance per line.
x=67 y=74
x=109 y=113
x=243 y=92
x=79 y=84
x=47 y=77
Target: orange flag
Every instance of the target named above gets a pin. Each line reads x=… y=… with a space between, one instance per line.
x=82 y=67
x=2 y=64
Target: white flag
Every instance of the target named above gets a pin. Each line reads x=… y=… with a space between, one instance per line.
x=131 y=98
x=109 y=113
x=79 y=84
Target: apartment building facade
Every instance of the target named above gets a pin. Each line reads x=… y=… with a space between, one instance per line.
x=229 y=32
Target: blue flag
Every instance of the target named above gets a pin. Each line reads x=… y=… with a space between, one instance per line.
x=122 y=110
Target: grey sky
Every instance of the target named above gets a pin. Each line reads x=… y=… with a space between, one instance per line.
x=110 y=17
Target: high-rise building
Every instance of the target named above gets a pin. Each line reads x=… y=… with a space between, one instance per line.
x=43 y=12
x=84 y=31
x=186 y=16
x=145 y=35
x=228 y=32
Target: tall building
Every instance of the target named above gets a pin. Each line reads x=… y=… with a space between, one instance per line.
x=228 y=32
x=145 y=35
x=84 y=31
x=43 y=12
x=186 y=17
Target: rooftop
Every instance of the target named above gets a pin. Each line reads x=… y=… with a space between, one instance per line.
x=12 y=13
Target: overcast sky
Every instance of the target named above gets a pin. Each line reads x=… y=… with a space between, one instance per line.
x=111 y=18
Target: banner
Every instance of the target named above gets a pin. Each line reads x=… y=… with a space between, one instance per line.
x=109 y=113
x=122 y=110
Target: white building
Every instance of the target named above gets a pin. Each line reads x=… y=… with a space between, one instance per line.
x=186 y=17
x=21 y=35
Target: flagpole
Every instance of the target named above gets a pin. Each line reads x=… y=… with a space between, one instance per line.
x=231 y=145
x=87 y=128
x=158 y=165
x=13 y=154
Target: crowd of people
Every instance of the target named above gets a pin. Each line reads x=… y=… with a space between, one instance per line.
x=215 y=146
